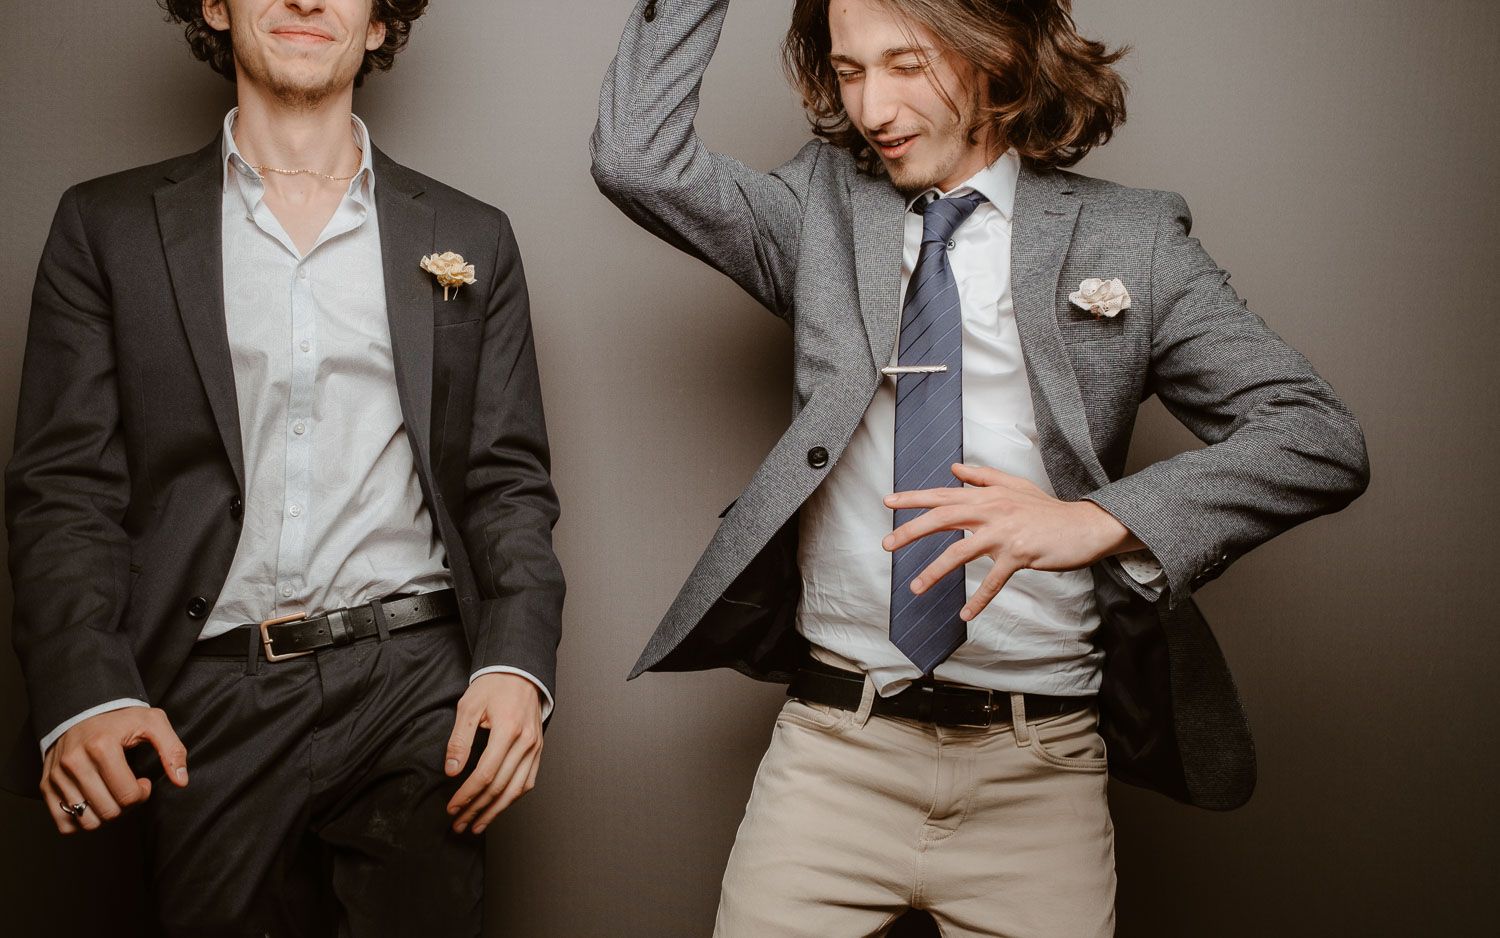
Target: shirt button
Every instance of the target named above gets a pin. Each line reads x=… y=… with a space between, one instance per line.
x=305 y=345
x=286 y=592
x=295 y=511
x=298 y=428
x=951 y=245
x=302 y=273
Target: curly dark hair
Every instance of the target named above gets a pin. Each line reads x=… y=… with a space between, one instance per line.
x=214 y=47
x=1052 y=94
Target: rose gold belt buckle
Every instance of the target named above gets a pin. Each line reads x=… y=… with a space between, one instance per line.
x=265 y=637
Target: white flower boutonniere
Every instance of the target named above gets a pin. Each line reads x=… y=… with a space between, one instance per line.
x=1103 y=298
x=450 y=270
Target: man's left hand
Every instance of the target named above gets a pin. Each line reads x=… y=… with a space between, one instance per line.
x=510 y=707
x=1010 y=520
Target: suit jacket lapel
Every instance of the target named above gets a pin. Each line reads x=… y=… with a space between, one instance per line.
x=189 y=212
x=1046 y=212
x=879 y=231
x=407 y=232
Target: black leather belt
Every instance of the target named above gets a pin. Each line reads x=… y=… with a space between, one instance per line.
x=297 y=635
x=926 y=700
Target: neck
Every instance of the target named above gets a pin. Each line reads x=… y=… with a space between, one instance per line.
x=302 y=135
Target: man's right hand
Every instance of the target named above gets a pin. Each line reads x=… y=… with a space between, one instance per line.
x=87 y=766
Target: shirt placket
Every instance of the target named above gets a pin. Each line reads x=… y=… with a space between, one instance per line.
x=291 y=558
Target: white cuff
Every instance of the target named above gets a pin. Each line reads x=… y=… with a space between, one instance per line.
x=1143 y=568
x=504 y=669
x=68 y=724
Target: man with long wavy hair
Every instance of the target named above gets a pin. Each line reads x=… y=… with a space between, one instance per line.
x=279 y=506
x=944 y=556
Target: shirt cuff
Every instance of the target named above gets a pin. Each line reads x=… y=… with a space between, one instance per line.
x=68 y=724
x=503 y=669
x=1144 y=568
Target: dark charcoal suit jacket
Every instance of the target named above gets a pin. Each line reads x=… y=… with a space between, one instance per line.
x=123 y=497
x=819 y=244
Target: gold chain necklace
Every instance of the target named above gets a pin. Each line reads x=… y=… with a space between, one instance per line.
x=307 y=172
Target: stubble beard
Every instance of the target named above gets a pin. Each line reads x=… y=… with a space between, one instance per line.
x=294 y=94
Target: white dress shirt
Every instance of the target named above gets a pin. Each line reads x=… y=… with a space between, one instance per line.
x=1036 y=635
x=333 y=509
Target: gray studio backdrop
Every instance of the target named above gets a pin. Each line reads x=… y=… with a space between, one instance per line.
x=1340 y=160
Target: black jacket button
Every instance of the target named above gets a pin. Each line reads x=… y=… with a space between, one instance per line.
x=236 y=508
x=650 y=11
x=197 y=607
x=817 y=457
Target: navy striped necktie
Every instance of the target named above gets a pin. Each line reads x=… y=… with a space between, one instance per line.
x=929 y=436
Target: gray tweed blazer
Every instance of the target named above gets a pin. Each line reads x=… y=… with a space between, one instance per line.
x=819 y=244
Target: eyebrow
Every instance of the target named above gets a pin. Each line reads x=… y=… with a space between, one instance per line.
x=921 y=51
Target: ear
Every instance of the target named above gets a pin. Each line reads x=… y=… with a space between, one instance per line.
x=216 y=14
x=374 y=37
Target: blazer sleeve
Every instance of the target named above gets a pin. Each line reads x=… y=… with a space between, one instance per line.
x=510 y=505
x=1282 y=448
x=648 y=160
x=67 y=487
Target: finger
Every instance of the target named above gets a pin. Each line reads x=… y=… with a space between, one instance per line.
x=989 y=588
x=497 y=782
x=925 y=498
x=981 y=475
x=478 y=780
x=54 y=801
x=117 y=776
x=928 y=522
x=956 y=555
x=461 y=740
x=159 y=733
x=68 y=792
x=521 y=781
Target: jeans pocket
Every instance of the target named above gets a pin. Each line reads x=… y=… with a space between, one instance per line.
x=813 y=716
x=1069 y=741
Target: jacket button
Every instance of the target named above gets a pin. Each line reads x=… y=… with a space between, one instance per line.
x=197 y=607
x=649 y=13
x=236 y=508
x=817 y=457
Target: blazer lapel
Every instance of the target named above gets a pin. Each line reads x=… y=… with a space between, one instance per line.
x=407 y=233
x=1046 y=212
x=189 y=212
x=878 y=235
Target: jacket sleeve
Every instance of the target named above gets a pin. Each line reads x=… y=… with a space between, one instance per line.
x=67 y=487
x=510 y=505
x=648 y=160
x=1282 y=448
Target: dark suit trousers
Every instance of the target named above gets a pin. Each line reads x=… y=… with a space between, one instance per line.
x=316 y=796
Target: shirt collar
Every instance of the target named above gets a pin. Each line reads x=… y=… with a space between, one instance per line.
x=360 y=187
x=996 y=182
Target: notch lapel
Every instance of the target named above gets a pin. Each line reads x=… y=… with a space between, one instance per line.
x=407 y=233
x=189 y=212
x=1046 y=213
x=879 y=231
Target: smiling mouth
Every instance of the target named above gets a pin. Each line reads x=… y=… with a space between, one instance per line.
x=893 y=148
x=301 y=34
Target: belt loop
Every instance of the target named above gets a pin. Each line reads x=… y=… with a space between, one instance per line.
x=254 y=651
x=1018 y=724
x=381 y=626
x=866 y=703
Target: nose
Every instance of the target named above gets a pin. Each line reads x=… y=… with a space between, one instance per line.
x=879 y=102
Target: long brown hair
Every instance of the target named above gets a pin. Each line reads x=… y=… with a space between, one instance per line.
x=1052 y=94
x=214 y=47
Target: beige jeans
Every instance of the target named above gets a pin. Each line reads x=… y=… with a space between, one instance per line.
x=854 y=818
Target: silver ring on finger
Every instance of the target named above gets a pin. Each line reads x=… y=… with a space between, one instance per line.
x=74 y=810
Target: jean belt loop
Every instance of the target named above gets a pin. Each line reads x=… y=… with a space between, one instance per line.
x=866 y=703
x=1018 y=723
x=253 y=653
x=381 y=626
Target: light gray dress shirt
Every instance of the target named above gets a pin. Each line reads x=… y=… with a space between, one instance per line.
x=1036 y=635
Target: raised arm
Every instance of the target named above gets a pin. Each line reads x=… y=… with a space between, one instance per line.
x=649 y=161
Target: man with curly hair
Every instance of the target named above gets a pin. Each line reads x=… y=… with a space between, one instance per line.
x=280 y=508
x=944 y=555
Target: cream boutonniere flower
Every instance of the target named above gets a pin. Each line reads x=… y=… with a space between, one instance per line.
x=1103 y=298
x=450 y=270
